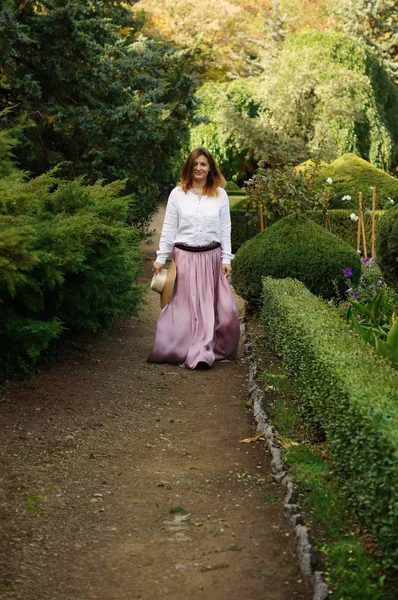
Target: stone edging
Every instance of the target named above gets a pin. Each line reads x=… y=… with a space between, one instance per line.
x=305 y=549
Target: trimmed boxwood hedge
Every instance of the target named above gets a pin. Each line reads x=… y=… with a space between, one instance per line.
x=245 y=227
x=387 y=246
x=352 y=393
x=295 y=247
x=352 y=174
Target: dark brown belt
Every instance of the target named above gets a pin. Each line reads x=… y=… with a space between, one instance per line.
x=197 y=248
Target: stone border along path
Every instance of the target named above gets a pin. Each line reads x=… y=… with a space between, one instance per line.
x=293 y=515
x=124 y=480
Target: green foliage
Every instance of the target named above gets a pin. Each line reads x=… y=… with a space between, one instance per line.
x=98 y=98
x=387 y=246
x=321 y=95
x=371 y=283
x=294 y=247
x=287 y=189
x=67 y=260
x=344 y=227
x=375 y=23
x=352 y=174
x=347 y=390
x=245 y=224
x=368 y=321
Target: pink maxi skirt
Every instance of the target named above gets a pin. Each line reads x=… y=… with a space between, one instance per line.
x=201 y=322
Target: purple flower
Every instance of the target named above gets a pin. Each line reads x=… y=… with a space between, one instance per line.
x=366 y=260
x=379 y=282
x=362 y=284
x=348 y=305
x=330 y=304
x=356 y=296
x=347 y=272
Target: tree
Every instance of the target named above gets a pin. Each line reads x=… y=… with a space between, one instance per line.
x=98 y=97
x=376 y=23
x=322 y=95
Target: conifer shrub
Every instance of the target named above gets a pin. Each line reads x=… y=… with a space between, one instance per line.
x=299 y=248
x=67 y=261
x=387 y=246
x=349 y=391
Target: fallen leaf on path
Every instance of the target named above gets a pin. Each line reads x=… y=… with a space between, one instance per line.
x=182 y=518
x=286 y=442
x=254 y=438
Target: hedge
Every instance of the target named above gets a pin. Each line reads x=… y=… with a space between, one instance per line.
x=295 y=247
x=352 y=174
x=245 y=224
x=350 y=392
x=67 y=261
x=387 y=247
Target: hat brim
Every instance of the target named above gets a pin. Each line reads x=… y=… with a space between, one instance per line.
x=168 y=288
x=158 y=281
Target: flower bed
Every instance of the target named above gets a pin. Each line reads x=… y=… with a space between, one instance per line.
x=349 y=392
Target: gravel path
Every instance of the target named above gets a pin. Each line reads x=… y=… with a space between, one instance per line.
x=124 y=480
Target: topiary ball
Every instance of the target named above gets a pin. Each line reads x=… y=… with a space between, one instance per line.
x=295 y=247
x=387 y=246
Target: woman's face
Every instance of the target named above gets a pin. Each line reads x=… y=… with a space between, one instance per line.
x=201 y=169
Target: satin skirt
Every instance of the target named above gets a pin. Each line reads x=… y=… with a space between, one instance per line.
x=201 y=322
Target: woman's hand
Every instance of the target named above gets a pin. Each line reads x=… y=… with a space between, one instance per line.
x=157 y=267
x=226 y=270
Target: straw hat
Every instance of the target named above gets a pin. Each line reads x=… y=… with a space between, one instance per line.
x=163 y=283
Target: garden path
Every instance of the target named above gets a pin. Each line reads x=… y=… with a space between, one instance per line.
x=126 y=480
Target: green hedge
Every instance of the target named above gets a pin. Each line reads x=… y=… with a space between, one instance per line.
x=245 y=224
x=295 y=247
x=352 y=174
x=343 y=227
x=352 y=393
x=387 y=247
x=67 y=261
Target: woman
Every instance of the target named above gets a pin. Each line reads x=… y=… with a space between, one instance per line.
x=200 y=324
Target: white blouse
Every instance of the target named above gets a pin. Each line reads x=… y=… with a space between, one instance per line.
x=196 y=222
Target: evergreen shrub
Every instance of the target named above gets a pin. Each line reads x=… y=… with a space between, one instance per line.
x=245 y=223
x=343 y=227
x=67 y=261
x=295 y=247
x=387 y=246
x=349 y=391
x=352 y=174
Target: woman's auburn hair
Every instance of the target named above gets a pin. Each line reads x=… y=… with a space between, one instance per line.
x=214 y=176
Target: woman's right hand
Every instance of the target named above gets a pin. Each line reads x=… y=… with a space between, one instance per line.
x=157 y=267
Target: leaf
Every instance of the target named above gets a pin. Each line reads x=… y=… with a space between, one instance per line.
x=392 y=337
x=375 y=306
x=254 y=438
x=362 y=309
x=384 y=349
x=286 y=442
x=182 y=518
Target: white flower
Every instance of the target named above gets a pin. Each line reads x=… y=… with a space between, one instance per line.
x=391 y=200
x=371 y=187
x=347 y=197
x=359 y=251
x=354 y=217
x=329 y=180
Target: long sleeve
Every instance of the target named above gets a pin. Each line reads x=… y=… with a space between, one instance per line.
x=170 y=225
x=225 y=225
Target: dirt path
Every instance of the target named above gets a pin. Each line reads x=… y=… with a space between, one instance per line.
x=124 y=480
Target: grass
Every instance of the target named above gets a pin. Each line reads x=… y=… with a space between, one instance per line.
x=352 y=563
